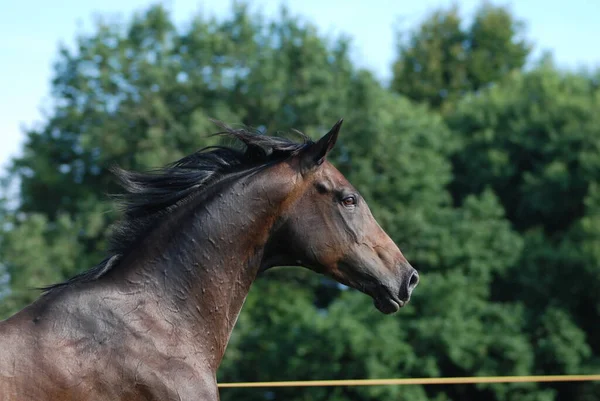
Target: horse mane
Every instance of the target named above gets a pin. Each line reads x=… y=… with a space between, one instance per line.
x=150 y=196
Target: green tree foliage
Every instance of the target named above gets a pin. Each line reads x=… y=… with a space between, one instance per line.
x=535 y=141
x=495 y=199
x=445 y=58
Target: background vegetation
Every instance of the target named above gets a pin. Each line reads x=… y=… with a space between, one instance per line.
x=482 y=163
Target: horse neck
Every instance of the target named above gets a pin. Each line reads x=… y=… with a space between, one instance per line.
x=201 y=263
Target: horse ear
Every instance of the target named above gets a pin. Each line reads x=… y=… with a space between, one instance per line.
x=317 y=152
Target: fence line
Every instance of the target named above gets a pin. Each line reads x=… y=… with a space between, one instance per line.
x=404 y=382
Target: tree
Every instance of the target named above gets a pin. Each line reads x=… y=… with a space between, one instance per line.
x=535 y=142
x=444 y=59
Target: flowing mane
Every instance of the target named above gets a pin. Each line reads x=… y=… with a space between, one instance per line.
x=151 y=195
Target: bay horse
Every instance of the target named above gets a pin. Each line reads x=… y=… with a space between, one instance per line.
x=152 y=321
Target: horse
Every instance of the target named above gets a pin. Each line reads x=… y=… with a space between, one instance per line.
x=153 y=319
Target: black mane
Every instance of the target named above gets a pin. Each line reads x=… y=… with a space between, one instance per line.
x=150 y=196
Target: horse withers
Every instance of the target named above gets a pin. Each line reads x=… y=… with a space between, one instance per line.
x=152 y=321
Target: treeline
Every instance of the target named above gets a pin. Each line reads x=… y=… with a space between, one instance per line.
x=482 y=163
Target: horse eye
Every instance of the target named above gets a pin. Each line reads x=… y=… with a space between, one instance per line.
x=349 y=200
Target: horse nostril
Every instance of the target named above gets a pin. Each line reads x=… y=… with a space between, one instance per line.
x=408 y=284
x=413 y=281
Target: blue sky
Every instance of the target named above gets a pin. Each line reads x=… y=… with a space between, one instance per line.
x=30 y=32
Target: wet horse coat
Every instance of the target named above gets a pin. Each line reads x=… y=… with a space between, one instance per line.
x=152 y=321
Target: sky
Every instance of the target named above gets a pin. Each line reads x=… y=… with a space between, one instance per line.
x=31 y=31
